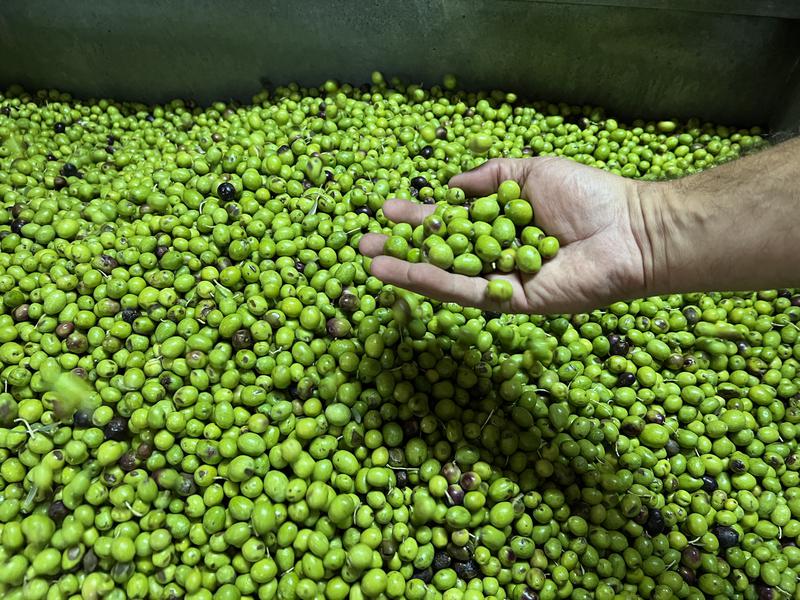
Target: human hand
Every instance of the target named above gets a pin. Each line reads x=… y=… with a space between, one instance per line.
x=596 y=216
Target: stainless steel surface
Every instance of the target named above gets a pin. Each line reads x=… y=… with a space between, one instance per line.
x=729 y=61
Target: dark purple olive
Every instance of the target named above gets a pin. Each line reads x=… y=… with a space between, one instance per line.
x=338 y=328
x=226 y=191
x=160 y=251
x=401 y=477
x=17 y=225
x=441 y=133
x=737 y=465
x=300 y=266
x=426 y=152
x=691 y=557
x=528 y=594
x=21 y=313
x=363 y=210
x=59 y=127
x=116 y=429
x=419 y=182
x=64 y=329
x=69 y=170
x=727 y=536
x=82 y=418
x=128 y=461
x=425 y=575
x=242 y=339
x=766 y=592
x=469 y=481
x=626 y=379
x=349 y=301
x=688 y=574
x=672 y=447
x=654 y=416
x=59 y=182
x=454 y=496
x=441 y=560
x=57 y=511
x=620 y=348
x=129 y=315
x=467 y=570
x=144 y=450
x=410 y=428
x=709 y=483
x=655 y=522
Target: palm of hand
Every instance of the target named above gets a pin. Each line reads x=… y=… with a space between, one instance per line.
x=588 y=210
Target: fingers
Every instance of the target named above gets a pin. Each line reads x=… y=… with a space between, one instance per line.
x=433 y=282
x=485 y=179
x=403 y=211
x=371 y=244
x=430 y=281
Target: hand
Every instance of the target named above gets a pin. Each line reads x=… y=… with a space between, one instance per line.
x=596 y=216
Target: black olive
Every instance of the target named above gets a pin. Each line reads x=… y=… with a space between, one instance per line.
x=441 y=560
x=242 y=339
x=441 y=133
x=160 y=251
x=401 y=476
x=467 y=570
x=626 y=379
x=709 y=483
x=737 y=465
x=128 y=461
x=226 y=191
x=424 y=574
x=51 y=157
x=672 y=447
x=426 y=151
x=419 y=182
x=129 y=315
x=17 y=225
x=69 y=170
x=59 y=127
x=57 y=511
x=116 y=429
x=688 y=574
x=144 y=450
x=727 y=536
x=82 y=418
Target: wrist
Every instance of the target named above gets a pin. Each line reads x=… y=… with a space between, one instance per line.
x=664 y=225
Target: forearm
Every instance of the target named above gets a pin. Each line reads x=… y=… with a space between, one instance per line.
x=734 y=227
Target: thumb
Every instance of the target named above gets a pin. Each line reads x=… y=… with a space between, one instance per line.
x=485 y=179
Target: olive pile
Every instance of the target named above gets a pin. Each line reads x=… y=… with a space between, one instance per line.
x=205 y=394
x=495 y=233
